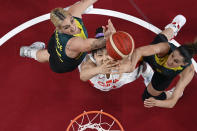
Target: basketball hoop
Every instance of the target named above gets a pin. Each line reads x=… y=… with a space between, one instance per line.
x=95 y=121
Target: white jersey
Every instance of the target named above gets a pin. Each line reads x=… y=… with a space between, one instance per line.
x=114 y=81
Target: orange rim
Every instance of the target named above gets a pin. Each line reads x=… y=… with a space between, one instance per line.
x=95 y=112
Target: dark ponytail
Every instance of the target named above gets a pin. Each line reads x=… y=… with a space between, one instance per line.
x=188 y=51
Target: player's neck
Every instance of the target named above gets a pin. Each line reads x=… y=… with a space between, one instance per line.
x=107 y=75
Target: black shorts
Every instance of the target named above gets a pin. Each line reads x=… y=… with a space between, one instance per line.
x=160 y=82
x=147 y=95
x=68 y=64
x=53 y=59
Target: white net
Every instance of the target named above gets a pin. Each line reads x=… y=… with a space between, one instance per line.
x=95 y=121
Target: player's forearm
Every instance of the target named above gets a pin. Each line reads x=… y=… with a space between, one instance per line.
x=84 y=4
x=89 y=1
x=180 y=86
x=98 y=43
x=134 y=59
x=87 y=74
x=169 y=103
x=78 y=8
x=185 y=78
x=91 y=44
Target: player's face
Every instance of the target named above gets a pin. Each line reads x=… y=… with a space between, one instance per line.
x=68 y=26
x=101 y=56
x=175 y=59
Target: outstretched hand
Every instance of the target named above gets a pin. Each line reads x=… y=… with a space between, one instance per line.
x=109 y=29
x=107 y=67
x=150 y=102
x=124 y=66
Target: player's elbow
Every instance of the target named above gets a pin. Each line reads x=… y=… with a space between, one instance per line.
x=172 y=104
x=83 y=78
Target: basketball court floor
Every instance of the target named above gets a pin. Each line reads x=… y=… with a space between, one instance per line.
x=33 y=98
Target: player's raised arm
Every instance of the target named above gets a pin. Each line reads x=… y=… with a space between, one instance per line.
x=159 y=49
x=78 y=8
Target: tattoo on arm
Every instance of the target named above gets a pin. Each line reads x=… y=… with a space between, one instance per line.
x=99 y=43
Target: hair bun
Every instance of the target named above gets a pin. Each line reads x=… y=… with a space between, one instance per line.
x=99 y=30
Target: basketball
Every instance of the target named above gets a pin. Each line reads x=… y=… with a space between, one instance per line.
x=120 y=45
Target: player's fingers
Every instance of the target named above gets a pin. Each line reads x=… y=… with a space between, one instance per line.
x=111 y=26
x=104 y=28
x=149 y=100
x=109 y=21
x=149 y=103
x=148 y=106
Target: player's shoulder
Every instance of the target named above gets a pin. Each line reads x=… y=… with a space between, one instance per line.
x=74 y=43
x=89 y=60
x=88 y=63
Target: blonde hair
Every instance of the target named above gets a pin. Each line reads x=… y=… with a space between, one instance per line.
x=57 y=16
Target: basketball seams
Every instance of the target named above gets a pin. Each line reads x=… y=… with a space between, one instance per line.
x=115 y=48
x=127 y=47
x=120 y=38
x=120 y=45
x=133 y=44
x=111 y=51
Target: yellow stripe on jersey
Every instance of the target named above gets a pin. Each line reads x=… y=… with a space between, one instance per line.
x=162 y=62
x=82 y=34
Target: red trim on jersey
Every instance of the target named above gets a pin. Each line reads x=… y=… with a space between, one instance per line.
x=91 y=83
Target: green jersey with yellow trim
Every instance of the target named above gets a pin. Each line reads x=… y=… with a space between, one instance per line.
x=59 y=61
x=158 y=64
